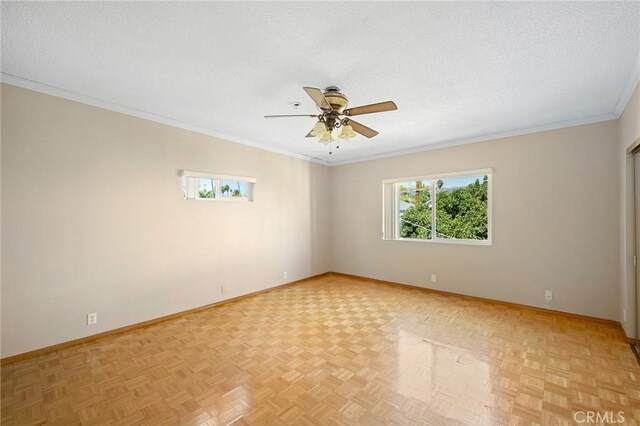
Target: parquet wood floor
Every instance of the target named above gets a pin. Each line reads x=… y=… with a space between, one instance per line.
x=335 y=351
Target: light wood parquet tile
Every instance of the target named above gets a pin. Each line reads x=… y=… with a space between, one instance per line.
x=340 y=351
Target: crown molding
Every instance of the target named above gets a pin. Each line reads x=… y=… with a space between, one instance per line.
x=634 y=78
x=134 y=112
x=446 y=143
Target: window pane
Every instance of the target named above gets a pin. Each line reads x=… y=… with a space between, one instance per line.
x=461 y=208
x=206 y=188
x=232 y=188
x=414 y=205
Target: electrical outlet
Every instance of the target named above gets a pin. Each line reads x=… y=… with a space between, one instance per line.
x=548 y=295
x=434 y=278
x=222 y=289
x=92 y=318
x=285 y=275
x=624 y=315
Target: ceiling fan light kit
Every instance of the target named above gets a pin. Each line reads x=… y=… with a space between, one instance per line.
x=335 y=115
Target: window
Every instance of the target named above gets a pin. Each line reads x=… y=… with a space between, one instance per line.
x=206 y=188
x=452 y=207
x=233 y=188
x=209 y=186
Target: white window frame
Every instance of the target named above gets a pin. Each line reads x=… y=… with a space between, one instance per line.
x=192 y=178
x=391 y=213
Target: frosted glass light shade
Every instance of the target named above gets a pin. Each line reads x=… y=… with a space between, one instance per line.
x=318 y=129
x=347 y=132
x=326 y=137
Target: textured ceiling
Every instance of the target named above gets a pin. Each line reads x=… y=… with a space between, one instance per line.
x=457 y=71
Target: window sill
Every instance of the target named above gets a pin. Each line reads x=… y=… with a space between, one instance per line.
x=444 y=241
x=232 y=199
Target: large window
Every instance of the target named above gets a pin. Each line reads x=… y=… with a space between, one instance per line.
x=452 y=207
x=208 y=186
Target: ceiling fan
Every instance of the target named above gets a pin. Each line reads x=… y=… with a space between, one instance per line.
x=334 y=115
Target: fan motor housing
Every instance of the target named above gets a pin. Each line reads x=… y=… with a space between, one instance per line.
x=336 y=99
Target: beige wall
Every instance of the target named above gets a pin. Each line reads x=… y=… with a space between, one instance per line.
x=93 y=220
x=555 y=221
x=628 y=132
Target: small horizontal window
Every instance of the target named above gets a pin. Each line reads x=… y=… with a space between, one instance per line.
x=454 y=208
x=210 y=186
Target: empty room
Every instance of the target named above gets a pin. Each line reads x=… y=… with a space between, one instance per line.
x=320 y=213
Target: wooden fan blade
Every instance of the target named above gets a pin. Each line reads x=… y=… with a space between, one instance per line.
x=317 y=97
x=362 y=129
x=291 y=115
x=368 y=109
